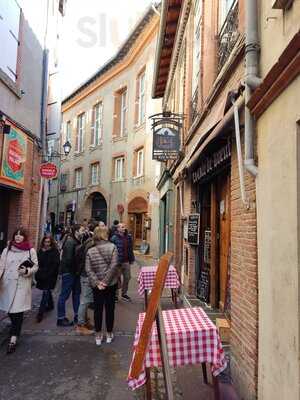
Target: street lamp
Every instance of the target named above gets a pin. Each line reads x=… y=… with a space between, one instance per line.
x=55 y=154
x=67 y=148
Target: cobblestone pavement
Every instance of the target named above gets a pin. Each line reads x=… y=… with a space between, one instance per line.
x=54 y=363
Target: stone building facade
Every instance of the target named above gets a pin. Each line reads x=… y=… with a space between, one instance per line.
x=199 y=73
x=23 y=102
x=110 y=173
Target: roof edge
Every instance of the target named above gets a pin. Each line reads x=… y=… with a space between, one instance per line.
x=120 y=54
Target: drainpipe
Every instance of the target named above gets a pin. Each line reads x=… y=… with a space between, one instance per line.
x=252 y=80
x=239 y=151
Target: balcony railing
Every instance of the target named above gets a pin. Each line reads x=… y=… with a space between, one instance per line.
x=138 y=180
x=228 y=35
x=194 y=106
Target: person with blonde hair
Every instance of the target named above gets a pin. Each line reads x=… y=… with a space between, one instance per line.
x=103 y=269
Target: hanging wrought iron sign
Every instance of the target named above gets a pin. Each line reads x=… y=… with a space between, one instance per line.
x=166 y=129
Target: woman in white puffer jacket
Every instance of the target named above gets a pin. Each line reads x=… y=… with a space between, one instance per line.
x=18 y=263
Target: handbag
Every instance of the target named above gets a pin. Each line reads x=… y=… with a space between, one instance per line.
x=27 y=263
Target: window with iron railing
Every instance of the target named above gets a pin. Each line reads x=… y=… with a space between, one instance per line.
x=194 y=106
x=228 y=29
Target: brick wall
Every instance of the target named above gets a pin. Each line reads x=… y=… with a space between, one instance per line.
x=24 y=206
x=244 y=285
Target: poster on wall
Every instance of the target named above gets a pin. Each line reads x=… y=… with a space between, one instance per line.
x=14 y=158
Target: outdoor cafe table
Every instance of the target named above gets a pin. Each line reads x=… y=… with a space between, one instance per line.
x=146 y=279
x=191 y=338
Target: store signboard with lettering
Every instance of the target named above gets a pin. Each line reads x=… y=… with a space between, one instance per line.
x=14 y=158
x=194 y=229
x=212 y=162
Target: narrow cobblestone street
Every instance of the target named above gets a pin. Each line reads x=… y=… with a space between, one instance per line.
x=54 y=363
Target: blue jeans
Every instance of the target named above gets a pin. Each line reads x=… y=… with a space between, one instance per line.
x=46 y=301
x=69 y=284
x=86 y=298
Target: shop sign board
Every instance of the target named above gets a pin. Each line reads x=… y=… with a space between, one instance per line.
x=14 y=158
x=203 y=285
x=194 y=229
x=210 y=163
x=166 y=128
x=48 y=171
x=165 y=144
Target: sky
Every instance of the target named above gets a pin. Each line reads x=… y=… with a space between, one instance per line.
x=92 y=32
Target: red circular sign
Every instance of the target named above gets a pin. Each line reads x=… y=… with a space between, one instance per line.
x=48 y=171
x=120 y=208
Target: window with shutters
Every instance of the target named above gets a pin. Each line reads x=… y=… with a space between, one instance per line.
x=97 y=124
x=225 y=7
x=123 y=113
x=80 y=133
x=140 y=101
x=10 y=17
x=197 y=44
x=68 y=131
x=64 y=182
x=139 y=163
x=78 y=178
x=120 y=114
x=95 y=173
x=228 y=29
x=119 y=168
x=50 y=147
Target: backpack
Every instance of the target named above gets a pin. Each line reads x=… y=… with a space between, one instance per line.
x=79 y=259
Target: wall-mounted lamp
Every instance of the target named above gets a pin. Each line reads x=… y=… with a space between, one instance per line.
x=4 y=127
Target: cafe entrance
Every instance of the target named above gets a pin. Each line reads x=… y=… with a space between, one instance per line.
x=213 y=261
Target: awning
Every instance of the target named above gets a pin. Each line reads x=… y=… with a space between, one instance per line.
x=215 y=132
x=211 y=132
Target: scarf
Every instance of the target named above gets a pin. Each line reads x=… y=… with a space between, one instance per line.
x=22 y=246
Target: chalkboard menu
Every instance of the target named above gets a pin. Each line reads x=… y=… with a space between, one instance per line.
x=203 y=285
x=193 y=229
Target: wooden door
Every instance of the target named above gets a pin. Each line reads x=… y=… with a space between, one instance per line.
x=224 y=235
x=136 y=227
x=139 y=227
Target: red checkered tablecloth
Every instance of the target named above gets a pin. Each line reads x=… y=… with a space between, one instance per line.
x=147 y=275
x=191 y=339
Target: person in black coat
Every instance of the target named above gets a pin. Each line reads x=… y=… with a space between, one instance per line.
x=46 y=277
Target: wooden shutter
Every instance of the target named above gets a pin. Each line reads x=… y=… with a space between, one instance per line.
x=134 y=171
x=117 y=115
x=137 y=100
x=93 y=120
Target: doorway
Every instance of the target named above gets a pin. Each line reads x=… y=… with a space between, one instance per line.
x=136 y=227
x=213 y=267
x=99 y=208
x=223 y=202
x=137 y=210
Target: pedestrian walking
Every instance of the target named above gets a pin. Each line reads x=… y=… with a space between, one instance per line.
x=113 y=229
x=46 y=277
x=103 y=269
x=123 y=240
x=18 y=263
x=70 y=280
x=86 y=296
